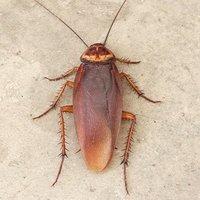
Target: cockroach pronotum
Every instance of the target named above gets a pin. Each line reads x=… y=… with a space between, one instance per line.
x=97 y=104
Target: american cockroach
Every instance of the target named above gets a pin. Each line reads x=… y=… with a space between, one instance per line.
x=97 y=104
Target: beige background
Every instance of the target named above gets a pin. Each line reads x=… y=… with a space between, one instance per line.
x=165 y=164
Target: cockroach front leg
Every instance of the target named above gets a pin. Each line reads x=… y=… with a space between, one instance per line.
x=63 y=154
x=70 y=84
x=66 y=74
x=131 y=117
x=135 y=87
x=127 y=61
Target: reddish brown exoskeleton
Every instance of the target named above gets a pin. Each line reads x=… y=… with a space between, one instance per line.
x=97 y=105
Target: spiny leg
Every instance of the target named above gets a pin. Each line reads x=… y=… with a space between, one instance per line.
x=127 y=61
x=135 y=87
x=57 y=98
x=63 y=154
x=131 y=117
x=67 y=73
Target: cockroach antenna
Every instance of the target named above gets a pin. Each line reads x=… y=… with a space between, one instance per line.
x=113 y=23
x=62 y=22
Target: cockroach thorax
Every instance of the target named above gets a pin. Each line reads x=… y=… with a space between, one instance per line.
x=97 y=53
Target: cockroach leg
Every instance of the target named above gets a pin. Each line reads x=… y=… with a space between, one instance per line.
x=69 y=109
x=78 y=151
x=70 y=84
x=127 y=61
x=66 y=74
x=131 y=117
x=135 y=87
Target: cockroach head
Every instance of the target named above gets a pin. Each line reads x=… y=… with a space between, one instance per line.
x=97 y=53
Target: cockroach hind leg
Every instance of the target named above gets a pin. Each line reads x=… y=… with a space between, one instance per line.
x=131 y=117
x=125 y=179
x=63 y=154
x=59 y=171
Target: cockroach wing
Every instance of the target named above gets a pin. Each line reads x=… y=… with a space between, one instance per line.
x=97 y=102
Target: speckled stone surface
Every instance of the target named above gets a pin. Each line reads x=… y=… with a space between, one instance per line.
x=164 y=35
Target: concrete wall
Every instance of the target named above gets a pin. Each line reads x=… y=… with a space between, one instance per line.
x=164 y=35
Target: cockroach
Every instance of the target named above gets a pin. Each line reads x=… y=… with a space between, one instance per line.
x=97 y=104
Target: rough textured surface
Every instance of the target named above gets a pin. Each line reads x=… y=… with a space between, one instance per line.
x=165 y=163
